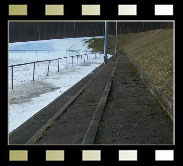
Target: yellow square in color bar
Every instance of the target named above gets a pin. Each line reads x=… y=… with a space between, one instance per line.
x=127 y=155
x=93 y=10
x=17 y=10
x=91 y=155
x=18 y=155
x=54 y=155
x=164 y=155
x=127 y=9
x=163 y=10
x=54 y=10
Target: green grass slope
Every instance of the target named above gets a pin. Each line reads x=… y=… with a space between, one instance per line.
x=153 y=50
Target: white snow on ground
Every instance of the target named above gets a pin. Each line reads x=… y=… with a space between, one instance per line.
x=28 y=97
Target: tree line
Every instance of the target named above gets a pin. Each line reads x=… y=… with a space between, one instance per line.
x=30 y=31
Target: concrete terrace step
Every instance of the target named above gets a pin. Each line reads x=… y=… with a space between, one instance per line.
x=72 y=126
x=132 y=115
x=27 y=130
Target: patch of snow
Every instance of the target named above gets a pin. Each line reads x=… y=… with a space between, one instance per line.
x=28 y=97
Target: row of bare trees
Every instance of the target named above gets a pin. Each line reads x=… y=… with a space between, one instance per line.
x=29 y=31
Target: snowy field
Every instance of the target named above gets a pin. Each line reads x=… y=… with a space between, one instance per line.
x=28 y=96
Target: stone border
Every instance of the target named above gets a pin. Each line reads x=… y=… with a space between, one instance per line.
x=90 y=135
x=164 y=100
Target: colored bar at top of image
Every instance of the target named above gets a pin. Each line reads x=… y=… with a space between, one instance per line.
x=91 y=10
x=53 y=10
x=130 y=10
x=88 y=10
x=17 y=10
x=163 y=10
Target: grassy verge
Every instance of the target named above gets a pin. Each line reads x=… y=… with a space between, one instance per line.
x=153 y=50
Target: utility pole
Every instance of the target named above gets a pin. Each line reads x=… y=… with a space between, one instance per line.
x=116 y=38
x=106 y=44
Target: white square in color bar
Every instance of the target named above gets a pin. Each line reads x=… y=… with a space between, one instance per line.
x=127 y=10
x=127 y=155
x=164 y=155
x=91 y=155
x=163 y=10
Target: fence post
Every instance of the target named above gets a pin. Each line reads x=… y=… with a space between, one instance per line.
x=48 y=67
x=87 y=57
x=58 y=65
x=33 y=70
x=81 y=58
x=66 y=62
x=72 y=60
x=95 y=56
x=12 y=77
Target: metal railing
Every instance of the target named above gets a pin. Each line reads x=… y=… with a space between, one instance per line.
x=69 y=51
x=49 y=61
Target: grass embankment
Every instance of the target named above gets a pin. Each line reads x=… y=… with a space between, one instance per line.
x=152 y=50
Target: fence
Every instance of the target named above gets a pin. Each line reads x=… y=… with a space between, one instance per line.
x=69 y=51
x=49 y=61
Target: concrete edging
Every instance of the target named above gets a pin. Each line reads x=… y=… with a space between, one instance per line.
x=90 y=135
x=164 y=100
